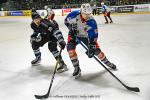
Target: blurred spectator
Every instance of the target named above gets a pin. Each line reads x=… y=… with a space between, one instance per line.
x=58 y=4
x=94 y=9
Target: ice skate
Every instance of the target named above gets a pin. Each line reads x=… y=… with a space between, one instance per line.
x=77 y=72
x=62 y=68
x=106 y=22
x=36 y=61
x=111 y=21
x=111 y=65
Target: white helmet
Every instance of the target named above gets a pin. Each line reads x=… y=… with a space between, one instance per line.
x=45 y=7
x=102 y=3
x=49 y=9
x=86 y=8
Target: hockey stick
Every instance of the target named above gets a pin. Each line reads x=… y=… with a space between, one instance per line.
x=135 y=89
x=47 y=94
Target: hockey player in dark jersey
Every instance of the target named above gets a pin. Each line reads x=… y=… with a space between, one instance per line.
x=83 y=27
x=33 y=11
x=46 y=31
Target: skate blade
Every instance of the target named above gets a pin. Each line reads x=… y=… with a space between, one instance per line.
x=112 y=69
x=78 y=76
x=36 y=64
x=62 y=70
x=115 y=69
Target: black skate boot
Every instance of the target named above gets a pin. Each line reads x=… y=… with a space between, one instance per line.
x=111 y=65
x=36 y=61
x=106 y=22
x=111 y=21
x=62 y=67
x=77 y=72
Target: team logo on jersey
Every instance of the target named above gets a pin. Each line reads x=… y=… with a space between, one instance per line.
x=50 y=29
x=39 y=38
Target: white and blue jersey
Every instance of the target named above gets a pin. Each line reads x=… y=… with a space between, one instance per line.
x=86 y=28
x=105 y=8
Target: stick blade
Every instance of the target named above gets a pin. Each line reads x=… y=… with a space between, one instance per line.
x=135 y=89
x=41 y=96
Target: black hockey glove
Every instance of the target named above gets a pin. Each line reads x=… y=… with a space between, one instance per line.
x=62 y=44
x=73 y=35
x=74 y=26
x=91 y=49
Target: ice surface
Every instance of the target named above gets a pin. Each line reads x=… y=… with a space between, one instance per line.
x=126 y=42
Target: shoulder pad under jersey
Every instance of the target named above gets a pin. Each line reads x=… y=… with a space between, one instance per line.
x=72 y=15
x=92 y=29
x=92 y=23
x=45 y=23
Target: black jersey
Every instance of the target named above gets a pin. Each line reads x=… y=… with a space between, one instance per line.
x=47 y=28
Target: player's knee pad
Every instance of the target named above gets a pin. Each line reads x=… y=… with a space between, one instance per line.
x=71 y=50
x=52 y=46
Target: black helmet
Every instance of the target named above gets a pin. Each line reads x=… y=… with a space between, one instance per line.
x=33 y=10
x=35 y=15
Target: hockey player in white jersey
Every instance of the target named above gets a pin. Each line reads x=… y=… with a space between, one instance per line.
x=106 y=12
x=50 y=13
x=83 y=27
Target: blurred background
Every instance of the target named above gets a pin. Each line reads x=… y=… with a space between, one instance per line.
x=7 y=5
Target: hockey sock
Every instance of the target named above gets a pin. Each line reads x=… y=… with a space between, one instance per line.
x=106 y=19
x=74 y=58
x=56 y=55
x=110 y=18
x=105 y=61
x=37 y=53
